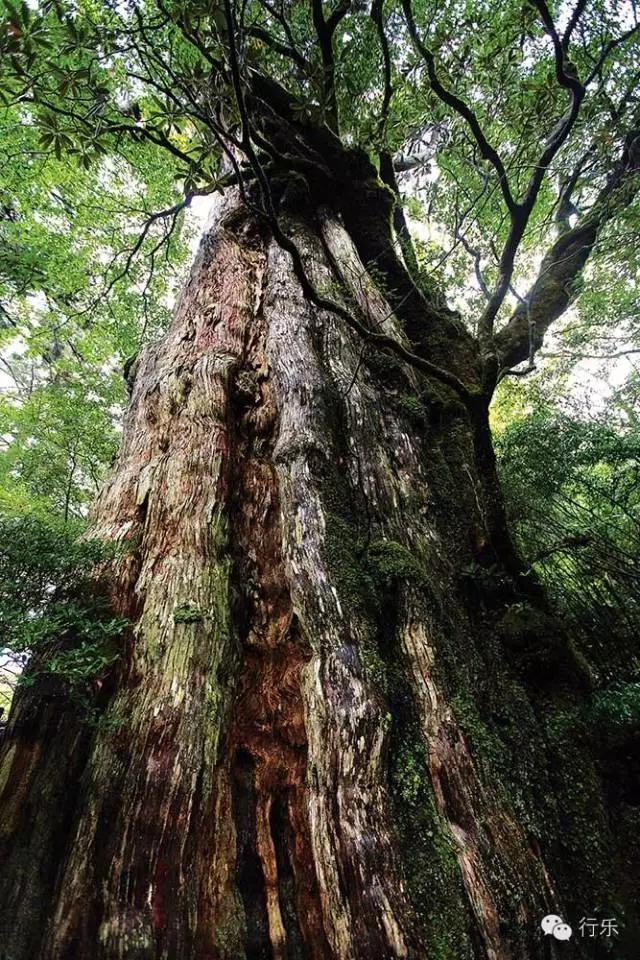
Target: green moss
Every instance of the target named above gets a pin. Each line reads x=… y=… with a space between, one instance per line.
x=373 y=664
x=178 y=388
x=583 y=842
x=427 y=855
x=521 y=621
x=412 y=408
x=486 y=745
x=361 y=570
x=430 y=867
x=531 y=745
x=188 y=613
x=390 y=561
x=219 y=533
x=539 y=648
x=540 y=759
x=439 y=397
x=385 y=366
x=345 y=556
x=223 y=671
x=534 y=644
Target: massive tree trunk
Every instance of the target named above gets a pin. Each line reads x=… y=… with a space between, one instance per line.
x=342 y=724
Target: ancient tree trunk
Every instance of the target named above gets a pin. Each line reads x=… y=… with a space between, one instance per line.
x=325 y=739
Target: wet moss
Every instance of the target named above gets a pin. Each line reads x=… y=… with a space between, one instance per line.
x=582 y=838
x=486 y=745
x=390 y=562
x=373 y=665
x=361 y=569
x=532 y=748
x=505 y=667
x=538 y=755
x=443 y=406
x=539 y=648
x=188 y=613
x=386 y=368
x=412 y=407
x=345 y=557
x=429 y=864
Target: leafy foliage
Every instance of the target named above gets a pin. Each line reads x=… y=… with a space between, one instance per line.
x=134 y=81
x=51 y=607
x=618 y=707
x=572 y=487
x=483 y=157
x=69 y=316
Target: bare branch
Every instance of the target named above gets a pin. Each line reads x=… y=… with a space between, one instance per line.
x=608 y=49
x=581 y=355
x=376 y=16
x=578 y=10
x=477 y=262
x=325 y=30
x=565 y=73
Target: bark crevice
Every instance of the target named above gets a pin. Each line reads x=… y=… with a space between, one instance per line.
x=319 y=742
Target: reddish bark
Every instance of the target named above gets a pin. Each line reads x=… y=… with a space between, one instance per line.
x=299 y=537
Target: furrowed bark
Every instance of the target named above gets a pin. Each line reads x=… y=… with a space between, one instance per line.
x=42 y=755
x=326 y=739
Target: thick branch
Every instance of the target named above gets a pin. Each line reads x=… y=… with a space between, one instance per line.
x=401 y=227
x=325 y=30
x=367 y=207
x=285 y=51
x=573 y=22
x=561 y=268
x=376 y=16
x=268 y=213
x=565 y=73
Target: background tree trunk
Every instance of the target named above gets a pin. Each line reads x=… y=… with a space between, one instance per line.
x=341 y=728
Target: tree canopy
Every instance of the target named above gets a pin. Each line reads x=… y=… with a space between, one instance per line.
x=511 y=131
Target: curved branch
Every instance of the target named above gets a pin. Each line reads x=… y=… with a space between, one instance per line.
x=607 y=50
x=325 y=30
x=259 y=33
x=555 y=285
x=268 y=214
x=565 y=73
x=376 y=16
x=573 y=23
x=456 y=103
x=401 y=227
x=567 y=79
